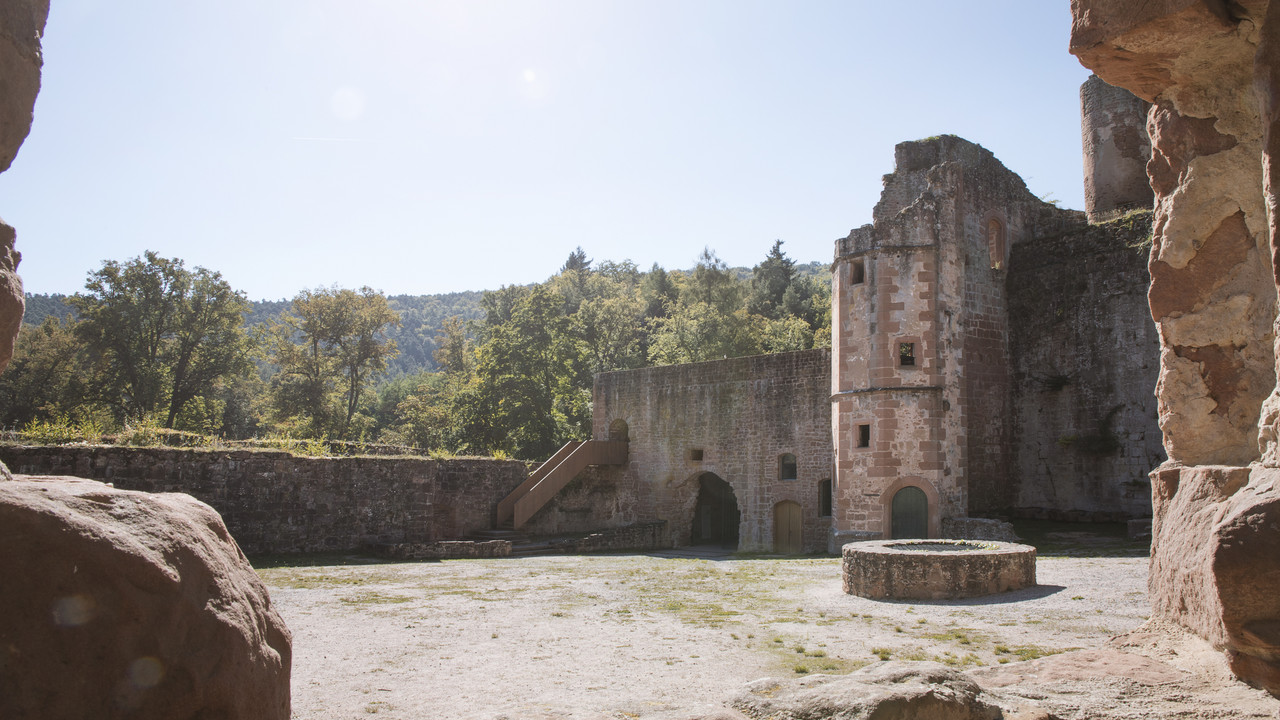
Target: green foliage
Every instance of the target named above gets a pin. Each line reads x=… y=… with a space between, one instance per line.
x=160 y=335
x=49 y=375
x=329 y=348
x=58 y=430
x=505 y=373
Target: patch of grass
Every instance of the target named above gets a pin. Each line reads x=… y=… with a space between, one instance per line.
x=952 y=660
x=882 y=653
x=963 y=636
x=373 y=597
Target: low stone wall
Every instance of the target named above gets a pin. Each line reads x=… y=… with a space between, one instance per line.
x=273 y=502
x=445 y=550
x=638 y=537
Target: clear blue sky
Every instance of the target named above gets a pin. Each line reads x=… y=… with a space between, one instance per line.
x=422 y=146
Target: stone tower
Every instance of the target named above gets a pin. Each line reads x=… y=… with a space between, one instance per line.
x=1113 y=128
x=920 y=379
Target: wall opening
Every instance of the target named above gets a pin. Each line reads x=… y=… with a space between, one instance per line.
x=857 y=273
x=824 y=498
x=907 y=354
x=695 y=455
x=618 y=430
x=909 y=514
x=787 y=466
x=788 y=528
x=864 y=436
x=995 y=242
x=715 y=515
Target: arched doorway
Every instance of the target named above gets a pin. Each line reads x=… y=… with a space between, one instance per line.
x=715 y=516
x=910 y=514
x=618 y=430
x=787 y=528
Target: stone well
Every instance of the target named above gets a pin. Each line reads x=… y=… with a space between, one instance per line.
x=935 y=569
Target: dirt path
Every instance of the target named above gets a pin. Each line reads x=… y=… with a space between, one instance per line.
x=636 y=636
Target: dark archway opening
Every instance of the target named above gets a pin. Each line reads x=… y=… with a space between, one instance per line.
x=910 y=514
x=715 y=516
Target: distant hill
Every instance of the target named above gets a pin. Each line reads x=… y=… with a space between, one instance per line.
x=421 y=319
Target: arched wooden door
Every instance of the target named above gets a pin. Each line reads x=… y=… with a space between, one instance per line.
x=910 y=513
x=787 y=528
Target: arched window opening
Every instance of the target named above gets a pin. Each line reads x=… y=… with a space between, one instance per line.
x=996 y=243
x=787 y=467
x=618 y=430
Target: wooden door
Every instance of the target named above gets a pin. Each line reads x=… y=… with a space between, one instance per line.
x=910 y=513
x=787 y=526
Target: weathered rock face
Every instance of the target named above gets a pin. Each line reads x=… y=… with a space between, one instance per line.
x=1215 y=561
x=21 y=25
x=131 y=605
x=884 y=691
x=1212 y=70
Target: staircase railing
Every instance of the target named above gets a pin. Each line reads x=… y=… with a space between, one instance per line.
x=506 y=508
x=551 y=477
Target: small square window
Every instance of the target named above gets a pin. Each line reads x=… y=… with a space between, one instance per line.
x=906 y=354
x=864 y=436
x=695 y=455
x=857 y=273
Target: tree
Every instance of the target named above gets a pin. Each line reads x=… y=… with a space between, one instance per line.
x=163 y=334
x=330 y=347
x=529 y=380
x=770 y=281
x=48 y=376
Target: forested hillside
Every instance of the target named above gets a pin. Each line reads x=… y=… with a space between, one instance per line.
x=152 y=346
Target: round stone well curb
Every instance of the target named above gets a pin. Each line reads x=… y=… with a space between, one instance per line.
x=935 y=569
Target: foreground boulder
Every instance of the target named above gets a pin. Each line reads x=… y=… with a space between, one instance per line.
x=128 y=604
x=884 y=691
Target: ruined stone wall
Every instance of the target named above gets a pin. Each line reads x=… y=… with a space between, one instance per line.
x=273 y=502
x=934 y=269
x=742 y=414
x=1113 y=129
x=1085 y=357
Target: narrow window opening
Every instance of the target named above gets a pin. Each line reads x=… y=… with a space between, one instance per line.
x=787 y=467
x=995 y=243
x=695 y=455
x=906 y=354
x=824 y=498
x=857 y=273
x=864 y=436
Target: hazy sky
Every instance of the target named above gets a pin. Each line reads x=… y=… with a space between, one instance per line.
x=419 y=146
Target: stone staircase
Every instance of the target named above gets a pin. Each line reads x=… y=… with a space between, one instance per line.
x=551 y=476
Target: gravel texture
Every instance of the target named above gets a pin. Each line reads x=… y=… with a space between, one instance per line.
x=626 y=636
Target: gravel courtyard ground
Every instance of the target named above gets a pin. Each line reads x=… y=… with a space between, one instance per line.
x=625 y=636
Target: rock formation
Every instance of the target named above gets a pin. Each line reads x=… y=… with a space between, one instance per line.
x=884 y=690
x=131 y=604
x=21 y=25
x=1211 y=69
